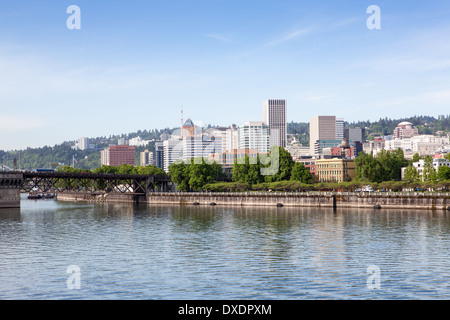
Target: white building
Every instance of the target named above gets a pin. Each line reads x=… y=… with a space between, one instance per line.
x=274 y=115
x=231 y=138
x=423 y=144
x=374 y=146
x=104 y=157
x=138 y=142
x=297 y=150
x=83 y=144
x=254 y=135
x=191 y=143
x=146 y=158
x=420 y=165
x=173 y=151
x=201 y=146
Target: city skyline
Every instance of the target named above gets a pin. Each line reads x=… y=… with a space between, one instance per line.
x=132 y=66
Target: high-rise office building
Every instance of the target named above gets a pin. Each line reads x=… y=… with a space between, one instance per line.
x=83 y=144
x=201 y=146
x=254 y=135
x=229 y=135
x=339 y=129
x=354 y=134
x=146 y=158
x=274 y=115
x=104 y=160
x=173 y=151
x=118 y=155
x=321 y=128
x=159 y=154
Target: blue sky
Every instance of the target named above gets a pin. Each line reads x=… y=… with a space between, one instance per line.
x=134 y=63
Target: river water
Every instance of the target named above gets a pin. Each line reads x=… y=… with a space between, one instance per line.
x=58 y=250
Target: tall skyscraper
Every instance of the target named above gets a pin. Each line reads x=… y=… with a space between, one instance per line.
x=274 y=115
x=321 y=128
x=159 y=154
x=339 y=129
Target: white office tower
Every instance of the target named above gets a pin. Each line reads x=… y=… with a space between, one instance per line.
x=321 y=128
x=229 y=135
x=201 y=146
x=254 y=135
x=232 y=138
x=104 y=157
x=173 y=151
x=219 y=132
x=339 y=129
x=83 y=144
x=274 y=115
x=146 y=158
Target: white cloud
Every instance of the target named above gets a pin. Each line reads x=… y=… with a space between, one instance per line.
x=291 y=36
x=219 y=37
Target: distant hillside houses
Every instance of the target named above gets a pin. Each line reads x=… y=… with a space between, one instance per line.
x=406 y=137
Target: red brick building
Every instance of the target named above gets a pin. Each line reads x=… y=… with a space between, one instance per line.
x=121 y=154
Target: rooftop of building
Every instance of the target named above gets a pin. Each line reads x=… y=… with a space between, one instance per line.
x=188 y=123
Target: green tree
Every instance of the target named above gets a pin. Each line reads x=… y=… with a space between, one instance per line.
x=254 y=173
x=395 y=164
x=283 y=159
x=367 y=168
x=429 y=173
x=301 y=174
x=411 y=174
x=386 y=166
x=416 y=157
x=248 y=172
x=201 y=173
x=443 y=173
x=180 y=175
x=240 y=169
x=149 y=170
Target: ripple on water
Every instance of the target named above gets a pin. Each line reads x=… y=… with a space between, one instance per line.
x=127 y=252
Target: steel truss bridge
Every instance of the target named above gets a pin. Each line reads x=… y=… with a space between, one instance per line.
x=93 y=183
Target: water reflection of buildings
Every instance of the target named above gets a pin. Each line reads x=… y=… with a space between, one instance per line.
x=327 y=246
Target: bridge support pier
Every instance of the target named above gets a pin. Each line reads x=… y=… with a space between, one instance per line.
x=10 y=183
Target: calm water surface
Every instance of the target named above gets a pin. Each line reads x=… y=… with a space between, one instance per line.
x=140 y=252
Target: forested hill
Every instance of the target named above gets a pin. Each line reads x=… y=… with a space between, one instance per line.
x=63 y=154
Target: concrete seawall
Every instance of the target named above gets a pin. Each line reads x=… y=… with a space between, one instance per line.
x=101 y=197
x=436 y=201
x=439 y=201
